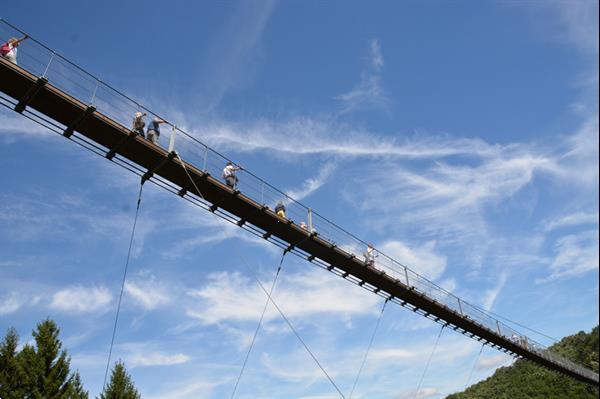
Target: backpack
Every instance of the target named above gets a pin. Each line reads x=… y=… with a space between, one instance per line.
x=5 y=49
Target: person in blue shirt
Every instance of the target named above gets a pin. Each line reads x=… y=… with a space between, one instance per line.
x=154 y=130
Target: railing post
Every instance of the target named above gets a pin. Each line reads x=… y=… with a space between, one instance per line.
x=205 y=159
x=498 y=327
x=94 y=93
x=310 y=222
x=48 y=66
x=406 y=276
x=460 y=307
x=172 y=139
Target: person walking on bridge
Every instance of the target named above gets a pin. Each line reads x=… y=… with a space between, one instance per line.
x=138 y=123
x=154 y=130
x=229 y=174
x=8 y=50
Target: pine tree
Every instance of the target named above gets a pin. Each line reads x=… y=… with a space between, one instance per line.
x=77 y=391
x=11 y=386
x=120 y=385
x=50 y=368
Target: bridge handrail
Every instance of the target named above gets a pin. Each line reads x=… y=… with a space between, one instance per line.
x=76 y=81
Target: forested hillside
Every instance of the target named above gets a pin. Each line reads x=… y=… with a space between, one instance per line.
x=526 y=380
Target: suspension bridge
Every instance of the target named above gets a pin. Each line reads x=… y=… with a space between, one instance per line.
x=58 y=94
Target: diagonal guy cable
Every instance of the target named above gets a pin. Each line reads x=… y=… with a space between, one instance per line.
x=368 y=348
x=437 y=340
x=265 y=291
x=262 y=316
x=473 y=368
x=112 y=341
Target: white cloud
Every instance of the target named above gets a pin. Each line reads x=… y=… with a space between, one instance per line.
x=368 y=92
x=312 y=184
x=147 y=359
x=376 y=57
x=422 y=259
x=147 y=292
x=234 y=58
x=80 y=299
x=236 y=298
x=576 y=254
x=10 y=303
x=493 y=362
x=189 y=389
x=15 y=126
x=579 y=22
x=492 y=294
x=570 y=220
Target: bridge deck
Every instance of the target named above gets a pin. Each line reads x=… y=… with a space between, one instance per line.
x=56 y=104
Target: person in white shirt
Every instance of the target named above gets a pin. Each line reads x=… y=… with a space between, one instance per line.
x=9 y=49
x=138 y=123
x=370 y=256
x=229 y=174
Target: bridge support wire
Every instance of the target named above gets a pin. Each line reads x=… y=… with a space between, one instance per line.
x=368 y=348
x=437 y=340
x=262 y=316
x=112 y=341
x=270 y=299
x=473 y=368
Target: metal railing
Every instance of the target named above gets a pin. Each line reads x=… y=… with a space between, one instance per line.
x=40 y=60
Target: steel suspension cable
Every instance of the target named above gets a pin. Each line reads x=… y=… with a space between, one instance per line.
x=262 y=316
x=368 y=348
x=283 y=316
x=112 y=341
x=437 y=340
x=473 y=368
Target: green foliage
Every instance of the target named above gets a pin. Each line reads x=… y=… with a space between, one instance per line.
x=40 y=371
x=76 y=390
x=525 y=380
x=10 y=386
x=120 y=385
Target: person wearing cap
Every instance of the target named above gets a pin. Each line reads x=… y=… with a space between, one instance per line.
x=229 y=174
x=138 y=123
x=8 y=50
x=280 y=209
x=154 y=130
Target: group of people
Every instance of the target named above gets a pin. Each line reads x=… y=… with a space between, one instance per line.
x=230 y=178
x=153 y=130
x=8 y=49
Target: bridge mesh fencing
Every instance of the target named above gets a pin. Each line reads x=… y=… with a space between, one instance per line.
x=40 y=60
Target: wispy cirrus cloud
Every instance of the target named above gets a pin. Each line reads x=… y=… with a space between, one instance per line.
x=575 y=254
x=570 y=220
x=368 y=93
x=235 y=56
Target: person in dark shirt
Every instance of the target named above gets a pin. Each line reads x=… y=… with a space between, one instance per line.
x=154 y=130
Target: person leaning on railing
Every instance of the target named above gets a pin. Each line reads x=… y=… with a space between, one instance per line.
x=8 y=50
x=154 y=130
x=229 y=174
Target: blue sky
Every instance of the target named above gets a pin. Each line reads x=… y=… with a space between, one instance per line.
x=459 y=137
